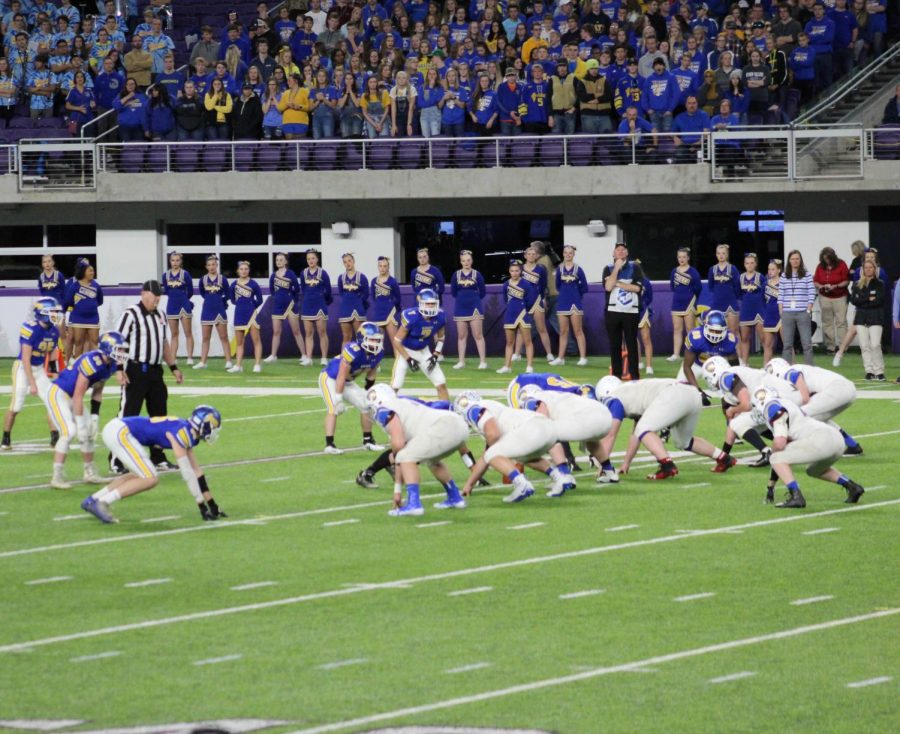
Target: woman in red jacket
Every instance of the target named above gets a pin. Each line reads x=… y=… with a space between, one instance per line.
x=832 y=278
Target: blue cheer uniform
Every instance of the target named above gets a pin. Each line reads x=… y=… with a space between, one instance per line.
x=358 y=360
x=247 y=298
x=354 y=293
x=82 y=302
x=537 y=276
x=686 y=289
x=545 y=381
x=315 y=286
x=753 y=300
x=725 y=285
x=285 y=289
x=53 y=285
x=431 y=278
x=385 y=301
x=520 y=298
x=646 y=313
x=571 y=285
x=43 y=341
x=215 y=293
x=468 y=291
x=772 y=317
x=179 y=287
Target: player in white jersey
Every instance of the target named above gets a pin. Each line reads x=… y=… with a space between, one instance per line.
x=824 y=394
x=655 y=404
x=418 y=433
x=799 y=439
x=510 y=435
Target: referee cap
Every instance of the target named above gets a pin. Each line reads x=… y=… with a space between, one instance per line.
x=153 y=286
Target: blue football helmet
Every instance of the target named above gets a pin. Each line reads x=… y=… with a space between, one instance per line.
x=715 y=328
x=113 y=346
x=46 y=310
x=428 y=303
x=206 y=421
x=370 y=338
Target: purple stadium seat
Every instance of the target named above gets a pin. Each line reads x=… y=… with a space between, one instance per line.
x=295 y=156
x=523 y=151
x=20 y=123
x=7 y=136
x=581 y=151
x=887 y=143
x=441 y=150
x=157 y=158
x=216 y=158
x=350 y=155
x=50 y=123
x=324 y=156
x=466 y=154
x=410 y=153
x=132 y=158
x=269 y=157
x=551 y=154
x=4 y=162
x=185 y=158
x=21 y=110
x=380 y=154
x=244 y=155
x=60 y=133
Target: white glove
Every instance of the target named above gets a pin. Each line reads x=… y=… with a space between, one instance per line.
x=339 y=405
x=83 y=428
x=95 y=426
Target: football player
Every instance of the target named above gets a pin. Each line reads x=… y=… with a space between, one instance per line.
x=336 y=381
x=711 y=339
x=129 y=438
x=800 y=439
x=65 y=402
x=38 y=341
x=418 y=326
x=418 y=433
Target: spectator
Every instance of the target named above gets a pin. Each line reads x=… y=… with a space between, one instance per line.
x=159 y=115
x=858 y=250
x=9 y=91
x=218 y=104
x=294 y=108
x=758 y=79
x=323 y=101
x=509 y=100
x=255 y=81
x=169 y=78
x=708 y=96
x=868 y=295
x=647 y=62
x=158 y=44
x=737 y=95
x=236 y=68
x=483 y=112
x=832 y=277
x=660 y=96
x=231 y=85
x=877 y=25
x=41 y=89
x=331 y=37
x=786 y=30
x=690 y=126
x=728 y=151
x=142 y=29
x=349 y=112
x=563 y=98
x=206 y=48
x=633 y=132
x=802 y=63
x=138 y=63
x=533 y=42
x=892 y=109
x=723 y=72
x=271 y=116
x=130 y=108
x=80 y=104
x=190 y=114
x=796 y=296
x=687 y=81
x=403 y=105
x=247 y=115
x=821 y=38
x=629 y=89
x=201 y=78
x=538 y=118
x=778 y=76
x=428 y=99
x=453 y=105
x=234 y=40
x=318 y=15
x=846 y=31
x=375 y=104
x=594 y=92
x=262 y=61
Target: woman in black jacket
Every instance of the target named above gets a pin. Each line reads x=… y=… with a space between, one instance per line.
x=867 y=294
x=247 y=115
x=190 y=114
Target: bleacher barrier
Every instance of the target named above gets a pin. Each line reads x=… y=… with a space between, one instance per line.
x=46 y=164
x=830 y=151
x=8 y=162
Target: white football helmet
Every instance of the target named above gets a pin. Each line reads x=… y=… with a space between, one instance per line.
x=778 y=367
x=464 y=401
x=713 y=369
x=378 y=395
x=607 y=386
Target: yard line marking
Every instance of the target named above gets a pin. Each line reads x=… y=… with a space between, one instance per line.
x=589 y=674
x=148 y=582
x=164 y=518
x=335 y=523
x=256 y=585
x=97 y=656
x=66 y=518
x=698 y=484
x=435 y=524
x=734 y=676
x=820 y=531
x=468 y=668
x=581 y=594
x=871 y=682
x=619 y=528
x=3 y=513
x=273 y=415
x=49 y=580
x=274 y=479
x=40 y=724
x=474 y=590
x=811 y=600
x=694 y=597
x=342 y=664
x=526 y=526
x=216 y=661
x=403 y=583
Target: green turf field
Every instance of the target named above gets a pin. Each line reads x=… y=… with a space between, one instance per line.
x=679 y=606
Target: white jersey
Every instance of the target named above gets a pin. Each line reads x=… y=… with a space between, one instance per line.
x=563 y=404
x=753 y=379
x=787 y=420
x=638 y=395
x=508 y=419
x=817 y=379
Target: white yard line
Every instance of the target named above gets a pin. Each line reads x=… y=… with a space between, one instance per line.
x=732 y=677
x=342 y=664
x=620 y=528
x=335 y=523
x=820 y=531
x=695 y=597
x=365 y=721
x=96 y=656
x=216 y=661
x=582 y=594
x=255 y=585
x=468 y=668
x=164 y=518
x=403 y=583
x=49 y=580
x=147 y=582
x=474 y=590
x=66 y=518
x=871 y=682
x=526 y=526
x=274 y=479
x=435 y=524
x=272 y=415
x=694 y=486
x=811 y=600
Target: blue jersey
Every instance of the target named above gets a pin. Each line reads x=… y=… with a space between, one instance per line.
x=179 y=287
x=43 y=340
x=545 y=381
x=698 y=344
x=92 y=365
x=214 y=291
x=385 y=300
x=354 y=292
x=420 y=329
x=82 y=302
x=285 y=290
x=356 y=358
x=725 y=284
x=316 y=288
x=431 y=278
x=53 y=285
x=152 y=431
x=686 y=288
x=468 y=290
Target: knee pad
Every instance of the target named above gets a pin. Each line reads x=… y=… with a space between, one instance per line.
x=87 y=447
x=62 y=445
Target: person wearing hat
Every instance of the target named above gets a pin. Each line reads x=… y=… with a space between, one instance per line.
x=563 y=98
x=821 y=38
x=538 y=117
x=246 y=115
x=509 y=97
x=703 y=20
x=661 y=95
x=758 y=35
x=595 y=99
x=629 y=89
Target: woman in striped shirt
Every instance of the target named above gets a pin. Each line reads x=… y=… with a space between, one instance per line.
x=796 y=296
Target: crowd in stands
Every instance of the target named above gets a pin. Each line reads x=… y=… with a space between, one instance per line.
x=348 y=68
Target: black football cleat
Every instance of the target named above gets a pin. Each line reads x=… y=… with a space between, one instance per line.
x=795 y=500
x=853 y=450
x=724 y=463
x=483 y=482
x=573 y=466
x=365 y=480
x=763 y=459
x=770 y=496
x=854 y=492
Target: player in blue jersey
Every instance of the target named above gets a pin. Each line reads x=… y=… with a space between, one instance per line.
x=686 y=288
x=246 y=296
x=65 y=403
x=353 y=289
x=772 y=314
x=285 y=290
x=385 y=294
x=467 y=288
x=82 y=299
x=702 y=342
x=214 y=290
x=179 y=287
x=38 y=343
x=571 y=282
x=520 y=296
x=753 y=305
x=129 y=438
x=412 y=344
x=425 y=275
x=336 y=382
x=315 y=287
x=725 y=286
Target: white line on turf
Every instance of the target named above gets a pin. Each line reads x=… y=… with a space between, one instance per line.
x=526 y=526
x=732 y=677
x=820 y=531
x=581 y=594
x=474 y=590
x=49 y=580
x=811 y=600
x=619 y=528
x=871 y=682
x=274 y=479
x=255 y=585
x=216 y=661
x=164 y=518
x=404 y=583
x=335 y=523
x=96 y=656
x=147 y=582
x=342 y=664
x=365 y=721
x=468 y=668
x=693 y=486
x=435 y=524
x=694 y=597
x=273 y=415
x=66 y=518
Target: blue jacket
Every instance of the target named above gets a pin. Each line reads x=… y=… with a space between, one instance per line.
x=159 y=119
x=821 y=34
x=107 y=87
x=508 y=100
x=661 y=92
x=131 y=114
x=803 y=63
x=690 y=126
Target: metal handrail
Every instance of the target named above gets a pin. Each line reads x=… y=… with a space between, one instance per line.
x=849 y=84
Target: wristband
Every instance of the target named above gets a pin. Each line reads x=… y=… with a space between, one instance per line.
x=439 y=347
x=174 y=368
x=95 y=407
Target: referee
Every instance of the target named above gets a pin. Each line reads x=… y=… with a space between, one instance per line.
x=147 y=333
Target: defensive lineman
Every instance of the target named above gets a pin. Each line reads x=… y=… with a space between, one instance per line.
x=418 y=326
x=712 y=338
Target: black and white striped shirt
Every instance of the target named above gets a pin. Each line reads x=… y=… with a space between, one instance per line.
x=146 y=333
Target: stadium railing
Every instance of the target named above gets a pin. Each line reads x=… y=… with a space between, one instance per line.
x=47 y=164
x=8 y=159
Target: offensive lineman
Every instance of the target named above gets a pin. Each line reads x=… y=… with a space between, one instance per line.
x=418 y=326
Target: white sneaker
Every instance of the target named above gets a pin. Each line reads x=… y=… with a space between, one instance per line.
x=234 y=369
x=200 y=366
x=519 y=494
x=550 y=359
x=333 y=450
x=257 y=368
x=836 y=362
x=228 y=365
x=608 y=477
x=582 y=362
x=516 y=357
x=92 y=476
x=529 y=369
x=459 y=366
x=557 y=362
x=648 y=371
x=672 y=358
x=305 y=361
x=59 y=482
x=482 y=365
x=372 y=446
x=640 y=365
x=324 y=361
x=271 y=358
x=190 y=360
x=504 y=370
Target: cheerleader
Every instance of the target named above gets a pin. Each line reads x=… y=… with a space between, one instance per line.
x=82 y=298
x=536 y=274
x=353 y=288
x=246 y=296
x=520 y=296
x=52 y=283
x=686 y=288
x=644 y=317
x=572 y=285
x=425 y=275
x=315 y=287
x=179 y=287
x=467 y=287
x=385 y=293
x=214 y=314
x=725 y=285
x=772 y=316
x=753 y=306
x=285 y=290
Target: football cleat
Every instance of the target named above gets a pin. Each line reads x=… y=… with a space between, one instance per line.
x=853 y=450
x=58 y=481
x=166 y=466
x=5 y=446
x=372 y=446
x=608 y=476
x=794 y=500
x=455 y=503
x=573 y=466
x=407 y=510
x=332 y=449
x=763 y=459
x=92 y=476
x=770 y=496
x=519 y=494
x=560 y=488
x=483 y=482
x=365 y=480
x=54 y=438
x=665 y=471
x=98 y=509
x=724 y=463
x=854 y=492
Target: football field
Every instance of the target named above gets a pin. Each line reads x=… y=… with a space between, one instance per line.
x=679 y=606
